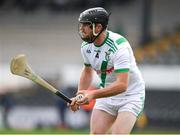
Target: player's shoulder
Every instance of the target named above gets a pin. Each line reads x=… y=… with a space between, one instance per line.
x=84 y=44
x=117 y=38
x=119 y=42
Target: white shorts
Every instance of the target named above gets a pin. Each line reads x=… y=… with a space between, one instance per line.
x=133 y=104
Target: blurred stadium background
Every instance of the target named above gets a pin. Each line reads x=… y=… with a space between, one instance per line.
x=47 y=32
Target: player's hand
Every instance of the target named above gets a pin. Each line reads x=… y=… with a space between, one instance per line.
x=74 y=106
x=85 y=97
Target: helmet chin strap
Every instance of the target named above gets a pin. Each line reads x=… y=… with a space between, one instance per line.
x=95 y=35
x=93 y=28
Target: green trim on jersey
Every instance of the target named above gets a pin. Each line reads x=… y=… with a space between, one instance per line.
x=121 y=70
x=87 y=65
x=84 y=44
x=111 y=44
x=120 y=41
x=103 y=74
x=107 y=35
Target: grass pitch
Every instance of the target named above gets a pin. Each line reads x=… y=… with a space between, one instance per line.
x=50 y=131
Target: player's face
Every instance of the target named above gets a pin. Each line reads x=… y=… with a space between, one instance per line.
x=85 y=31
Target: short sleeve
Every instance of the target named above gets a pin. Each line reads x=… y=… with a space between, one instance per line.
x=122 y=60
x=85 y=59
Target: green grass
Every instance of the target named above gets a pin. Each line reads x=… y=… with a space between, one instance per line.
x=41 y=131
x=82 y=131
x=157 y=131
x=44 y=131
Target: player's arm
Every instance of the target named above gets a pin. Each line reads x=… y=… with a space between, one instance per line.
x=85 y=78
x=84 y=83
x=87 y=71
x=117 y=87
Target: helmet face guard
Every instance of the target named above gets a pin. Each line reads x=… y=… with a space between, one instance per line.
x=94 y=16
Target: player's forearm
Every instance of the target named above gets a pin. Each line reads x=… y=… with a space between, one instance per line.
x=85 y=79
x=84 y=83
x=111 y=90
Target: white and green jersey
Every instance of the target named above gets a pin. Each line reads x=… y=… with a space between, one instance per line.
x=113 y=56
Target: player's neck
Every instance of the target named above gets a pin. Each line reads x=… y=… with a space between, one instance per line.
x=100 y=39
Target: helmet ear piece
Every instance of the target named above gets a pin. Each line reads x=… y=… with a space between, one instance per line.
x=100 y=26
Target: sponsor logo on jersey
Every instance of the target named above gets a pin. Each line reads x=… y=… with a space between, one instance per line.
x=88 y=51
x=97 y=53
x=107 y=55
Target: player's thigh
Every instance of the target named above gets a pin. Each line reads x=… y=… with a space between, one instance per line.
x=124 y=123
x=101 y=121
